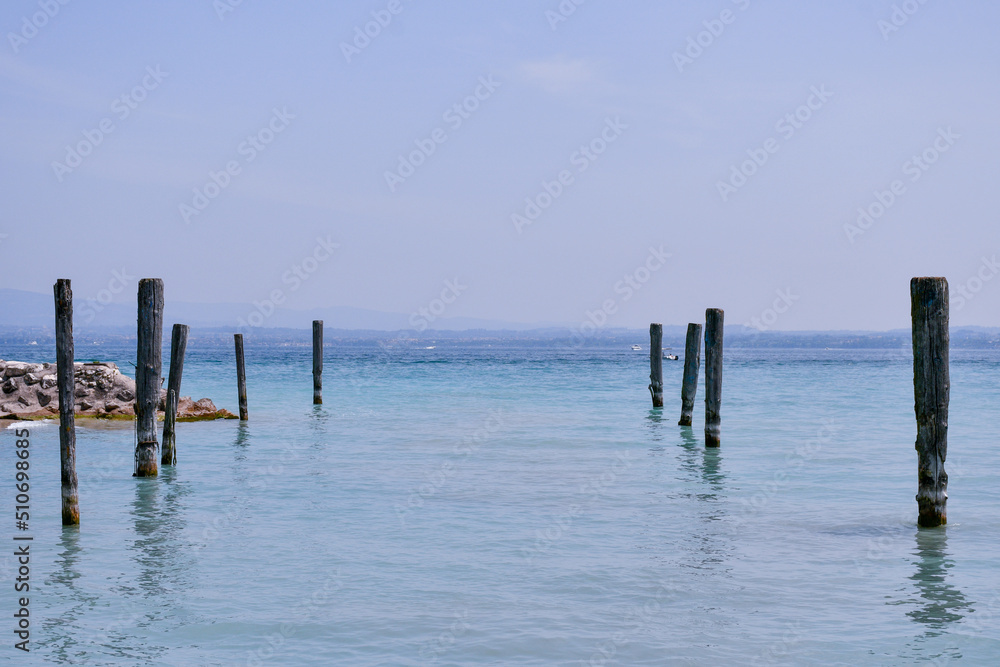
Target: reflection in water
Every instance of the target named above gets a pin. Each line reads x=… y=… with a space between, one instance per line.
x=157 y=514
x=318 y=419
x=712 y=468
x=242 y=435
x=654 y=422
x=701 y=467
x=63 y=628
x=67 y=574
x=942 y=603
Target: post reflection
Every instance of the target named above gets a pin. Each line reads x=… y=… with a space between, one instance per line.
x=242 y=434
x=941 y=603
x=318 y=419
x=701 y=469
x=157 y=513
x=654 y=422
x=78 y=603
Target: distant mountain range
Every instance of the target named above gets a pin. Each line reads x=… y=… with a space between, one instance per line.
x=22 y=309
x=28 y=316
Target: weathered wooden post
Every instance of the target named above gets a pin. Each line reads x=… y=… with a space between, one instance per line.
x=317 y=362
x=178 y=345
x=149 y=365
x=656 y=364
x=931 y=389
x=713 y=376
x=169 y=457
x=692 y=364
x=67 y=401
x=241 y=377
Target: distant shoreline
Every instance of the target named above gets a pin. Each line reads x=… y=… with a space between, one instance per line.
x=737 y=337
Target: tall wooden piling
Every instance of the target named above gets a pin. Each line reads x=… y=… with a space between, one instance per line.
x=713 y=376
x=692 y=364
x=169 y=457
x=178 y=345
x=931 y=391
x=241 y=377
x=317 y=362
x=67 y=402
x=149 y=365
x=656 y=364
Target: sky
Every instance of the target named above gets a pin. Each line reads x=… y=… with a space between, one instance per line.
x=792 y=162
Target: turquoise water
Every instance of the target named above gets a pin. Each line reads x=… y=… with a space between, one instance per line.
x=519 y=505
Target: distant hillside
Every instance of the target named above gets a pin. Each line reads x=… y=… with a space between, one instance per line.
x=21 y=309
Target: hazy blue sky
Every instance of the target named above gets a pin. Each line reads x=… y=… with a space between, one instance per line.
x=200 y=79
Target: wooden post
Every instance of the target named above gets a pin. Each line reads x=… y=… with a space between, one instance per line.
x=713 y=376
x=148 y=369
x=692 y=364
x=656 y=364
x=931 y=389
x=67 y=402
x=317 y=362
x=178 y=345
x=241 y=377
x=169 y=457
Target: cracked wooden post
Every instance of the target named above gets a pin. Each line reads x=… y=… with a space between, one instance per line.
x=241 y=377
x=148 y=369
x=713 y=376
x=67 y=402
x=317 y=362
x=931 y=391
x=656 y=364
x=169 y=457
x=178 y=345
x=692 y=364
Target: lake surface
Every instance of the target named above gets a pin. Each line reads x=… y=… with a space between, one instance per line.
x=519 y=505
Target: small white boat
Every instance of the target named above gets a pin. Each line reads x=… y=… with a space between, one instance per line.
x=671 y=357
x=637 y=348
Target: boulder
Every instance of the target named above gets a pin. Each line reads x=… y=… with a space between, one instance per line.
x=101 y=390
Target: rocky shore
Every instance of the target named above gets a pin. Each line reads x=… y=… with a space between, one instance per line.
x=28 y=391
